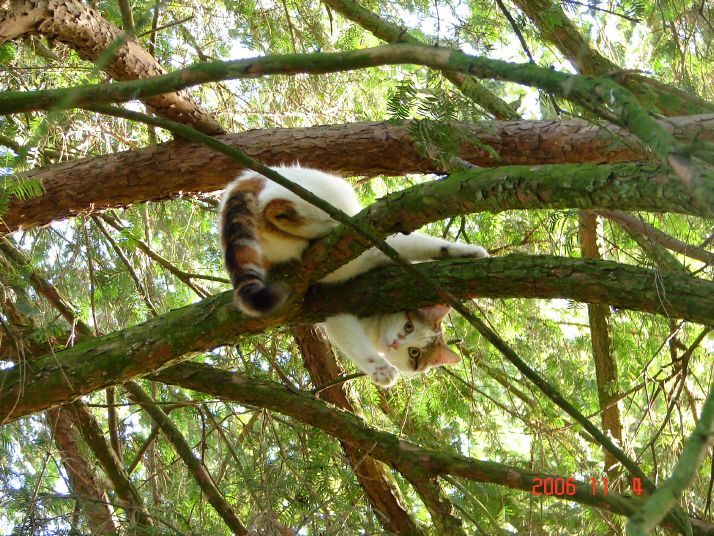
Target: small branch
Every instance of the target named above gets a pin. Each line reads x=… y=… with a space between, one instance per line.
x=665 y=498
x=182 y=276
x=595 y=7
x=437 y=503
x=337 y=381
x=632 y=223
x=183 y=449
x=127 y=264
x=127 y=17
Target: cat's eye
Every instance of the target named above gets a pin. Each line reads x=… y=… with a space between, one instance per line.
x=414 y=353
x=408 y=328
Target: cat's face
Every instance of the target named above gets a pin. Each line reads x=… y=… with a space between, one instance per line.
x=412 y=340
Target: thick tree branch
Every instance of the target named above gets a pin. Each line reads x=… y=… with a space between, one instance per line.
x=507 y=188
x=601 y=96
x=177 y=168
x=179 y=334
x=77 y=25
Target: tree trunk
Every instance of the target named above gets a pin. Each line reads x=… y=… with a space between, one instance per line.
x=319 y=359
x=83 y=479
x=605 y=363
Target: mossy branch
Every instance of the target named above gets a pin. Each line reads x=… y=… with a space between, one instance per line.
x=598 y=94
x=406 y=457
x=181 y=333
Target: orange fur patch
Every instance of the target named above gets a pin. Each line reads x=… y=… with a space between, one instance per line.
x=247 y=255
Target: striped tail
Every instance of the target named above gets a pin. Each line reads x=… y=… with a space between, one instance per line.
x=242 y=252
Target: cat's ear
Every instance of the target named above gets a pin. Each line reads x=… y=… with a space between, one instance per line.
x=445 y=356
x=434 y=313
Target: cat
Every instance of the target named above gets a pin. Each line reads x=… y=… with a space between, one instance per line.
x=261 y=224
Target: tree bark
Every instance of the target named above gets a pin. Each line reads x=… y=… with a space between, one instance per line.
x=177 y=335
x=90 y=35
x=605 y=363
x=178 y=168
x=319 y=359
x=111 y=464
x=83 y=479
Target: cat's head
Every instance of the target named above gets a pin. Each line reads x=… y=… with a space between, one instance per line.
x=412 y=340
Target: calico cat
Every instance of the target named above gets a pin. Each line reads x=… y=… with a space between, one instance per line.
x=261 y=223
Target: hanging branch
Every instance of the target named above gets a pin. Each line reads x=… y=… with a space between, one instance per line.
x=127 y=264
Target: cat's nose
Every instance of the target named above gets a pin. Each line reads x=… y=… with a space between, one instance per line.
x=394 y=344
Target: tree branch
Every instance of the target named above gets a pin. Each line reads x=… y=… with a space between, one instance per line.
x=194 y=465
x=179 y=168
x=392 y=33
x=400 y=454
x=179 y=334
x=320 y=361
x=83 y=29
x=595 y=94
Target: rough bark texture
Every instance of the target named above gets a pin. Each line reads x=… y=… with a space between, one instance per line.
x=83 y=479
x=403 y=455
x=86 y=31
x=177 y=168
x=319 y=359
x=178 y=334
x=605 y=363
x=194 y=465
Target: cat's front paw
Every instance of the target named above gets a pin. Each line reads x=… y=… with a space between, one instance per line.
x=457 y=250
x=385 y=376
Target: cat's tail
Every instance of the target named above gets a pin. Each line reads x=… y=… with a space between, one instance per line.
x=243 y=255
